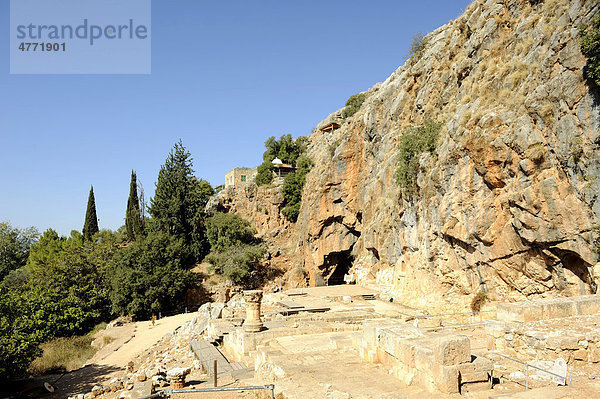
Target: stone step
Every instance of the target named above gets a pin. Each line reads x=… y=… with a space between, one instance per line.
x=207 y=354
x=290 y=305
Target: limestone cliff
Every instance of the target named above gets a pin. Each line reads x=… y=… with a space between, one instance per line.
x=509 y=200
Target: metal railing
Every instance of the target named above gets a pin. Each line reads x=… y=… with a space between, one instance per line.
x=168 y=392
x=527 y=366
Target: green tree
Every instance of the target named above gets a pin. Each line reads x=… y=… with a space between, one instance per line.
x=235 y=252
x=61 y=292
x=353 y=105
x=179 y=199
x=45 y=250
x=264 y=173
x=70 y=294
x=413 y=142
x=90 y=226
x=150 y=276
x=417 y=46
x=285 y=148
x=133 y=217
x=590 y=48
x=14 y=247
x=293 y=186
x=19 y=335
x=237 y=263
x=226 y=230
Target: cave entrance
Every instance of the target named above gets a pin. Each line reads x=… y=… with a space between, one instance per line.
x=337 y=265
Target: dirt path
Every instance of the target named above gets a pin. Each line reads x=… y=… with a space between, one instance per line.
x=139 y=338
x=111 y=361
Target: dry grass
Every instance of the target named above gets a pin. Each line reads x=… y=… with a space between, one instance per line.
x=518 y=73
x=523 y=46
x=478 y=301
x=554 y=7
x=465 y=118
x=547 y=113
x=66 y=354
x=537 y=153
x=63 y=354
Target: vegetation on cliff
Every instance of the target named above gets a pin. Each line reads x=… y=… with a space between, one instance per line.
x=590 y=48
x=417 y=47
x=235 y=252
x=293 y=185
x=286 y=148
x=353 y=105
x=415 y=141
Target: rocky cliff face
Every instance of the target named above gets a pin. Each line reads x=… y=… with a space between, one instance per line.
x=507 y=203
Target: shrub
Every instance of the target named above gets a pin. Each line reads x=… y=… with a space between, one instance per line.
x=264 y=173
x=286 y=148
x=536 y=152
x=238 y=262
x=353 y=105
x=235 y=252
x=413 y=143
x=293 y=186
x=226 y=230
x=478 y=301
x=417 y=47
x=590 y=48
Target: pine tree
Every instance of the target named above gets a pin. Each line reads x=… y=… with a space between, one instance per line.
x=90 y=227
x=133 y=217
x=177 y=207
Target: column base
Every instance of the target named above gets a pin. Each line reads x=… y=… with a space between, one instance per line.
x=253 y=327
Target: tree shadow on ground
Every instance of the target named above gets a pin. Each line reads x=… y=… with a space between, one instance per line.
x=67 y=384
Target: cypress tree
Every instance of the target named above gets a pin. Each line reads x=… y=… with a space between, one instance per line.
x=133 y=217
x=177 y=207
x=90 y=226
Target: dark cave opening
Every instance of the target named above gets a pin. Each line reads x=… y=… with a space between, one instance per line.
x=337 y=264
x=578 y=267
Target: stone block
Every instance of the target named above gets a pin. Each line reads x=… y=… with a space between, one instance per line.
x=475 y=387
x=594 y=354
x=406 y=349
x=509 y=312
x=446 y=378
x=558 y=309
x=581 y=355
x=478 y=370
x=587 y=305
x=495 y=328
x=423 y=358
x=141 y=389
x=571 y=343
x=452 y=349
x=387 y=342
x=532 y=312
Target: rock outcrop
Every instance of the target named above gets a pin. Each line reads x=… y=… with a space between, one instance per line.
x=509 y=200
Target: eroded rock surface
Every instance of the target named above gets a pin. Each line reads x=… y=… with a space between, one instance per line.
x=509 y=200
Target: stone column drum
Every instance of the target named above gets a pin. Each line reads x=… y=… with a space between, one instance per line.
x=253 y=322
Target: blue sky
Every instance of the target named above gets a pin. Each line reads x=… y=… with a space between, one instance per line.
x=226 y=75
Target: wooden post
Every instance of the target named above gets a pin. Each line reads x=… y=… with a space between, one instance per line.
x=215 y=372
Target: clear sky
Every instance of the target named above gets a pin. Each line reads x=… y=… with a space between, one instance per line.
x=226 y=75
